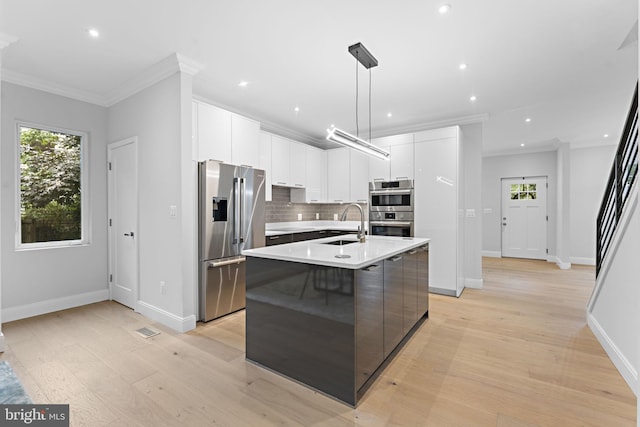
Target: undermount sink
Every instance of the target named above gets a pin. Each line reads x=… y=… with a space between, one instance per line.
x=340 y=242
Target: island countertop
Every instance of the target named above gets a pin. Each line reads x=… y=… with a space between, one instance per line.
x=351 y=256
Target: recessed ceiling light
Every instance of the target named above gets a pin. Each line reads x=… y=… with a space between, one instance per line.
x=606 y=135
x=389 y=114
x=243 y=84
x=472 y=98
x=93 y=32
x=296 y=109
x=444 y=9
x=528 y=119
x=462 y=66
x=521 y=145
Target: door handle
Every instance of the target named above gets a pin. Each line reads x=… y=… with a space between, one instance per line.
x=129 y=234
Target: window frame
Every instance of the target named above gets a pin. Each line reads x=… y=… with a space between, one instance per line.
x=85 y=237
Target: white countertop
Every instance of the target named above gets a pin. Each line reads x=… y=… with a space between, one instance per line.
x=278 y=228
x=317 y=252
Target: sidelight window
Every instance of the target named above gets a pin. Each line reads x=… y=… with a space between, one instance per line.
x=51 y=199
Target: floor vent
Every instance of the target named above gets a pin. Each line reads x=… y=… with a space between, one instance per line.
x=147 y=333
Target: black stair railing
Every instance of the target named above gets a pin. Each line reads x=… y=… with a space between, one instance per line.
x=621 y=179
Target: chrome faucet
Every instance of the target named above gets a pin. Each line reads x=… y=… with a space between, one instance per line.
x=361 y=234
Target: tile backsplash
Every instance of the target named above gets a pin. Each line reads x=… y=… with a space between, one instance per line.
x=281 y=209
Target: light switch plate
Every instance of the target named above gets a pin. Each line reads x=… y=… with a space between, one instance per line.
x=173 y=211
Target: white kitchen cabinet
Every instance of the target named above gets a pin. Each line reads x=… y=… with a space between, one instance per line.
x=298 y=164
x=359 y=176
x=316 y=178
x=280 y=161
x=245 y=141
x=379 y=168
x=214 y=133
x=437 y=210
x=265 y=163
x=401 y=162
x=338 y=175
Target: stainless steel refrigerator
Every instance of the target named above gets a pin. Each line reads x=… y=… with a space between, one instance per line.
x=231 y=218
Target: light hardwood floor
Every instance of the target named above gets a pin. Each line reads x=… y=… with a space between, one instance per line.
x=517 y=353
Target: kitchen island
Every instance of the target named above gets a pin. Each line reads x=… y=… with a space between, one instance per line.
x=331 y=312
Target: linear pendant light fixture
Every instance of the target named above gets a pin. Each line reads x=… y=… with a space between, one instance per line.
x=364 y=57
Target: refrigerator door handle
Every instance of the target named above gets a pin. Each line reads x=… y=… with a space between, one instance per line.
x=236 y=210
x=215 y=264
x=242 y=196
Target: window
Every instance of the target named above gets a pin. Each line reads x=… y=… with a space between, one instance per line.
x=523 y=192
x=51 y=202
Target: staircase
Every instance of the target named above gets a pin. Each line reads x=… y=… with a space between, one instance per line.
x=613 y=311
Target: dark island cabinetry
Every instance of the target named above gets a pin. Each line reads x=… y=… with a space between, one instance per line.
x=333 y=328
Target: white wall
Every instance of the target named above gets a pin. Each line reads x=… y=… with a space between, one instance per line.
x=156 y=115
x=495 y=168
x=39 y=281
x=472 y=165
x=613 y=313
x=590 y=168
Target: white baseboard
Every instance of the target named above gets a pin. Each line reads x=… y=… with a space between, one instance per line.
x=583 y=260
x=492 y=254
x=625 y=368
x=561 y=264
x=43 y=307
x=441 y=291
x=177 y=323
x=473 y=283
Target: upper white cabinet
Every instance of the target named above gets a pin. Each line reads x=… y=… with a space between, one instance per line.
x=225 y=136
x=214 y=133
x=347 y=176
x=400 y=165
x=401 y=162
x=338 y=175
x=359 y=176
x=280 y=161
x=298 y=164
x=245 y=141
x=288 y=162
x=316 y=178
x=265 y=163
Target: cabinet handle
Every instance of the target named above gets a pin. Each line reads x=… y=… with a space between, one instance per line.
x=412 y=252
x=298 y=185
x=400 y=177
x=338 y=200
x=274 y=237
x=282 y=183
x=378 y=179
x=362 y=200
x=322 y=232
x=371 y=267
x=395 y=258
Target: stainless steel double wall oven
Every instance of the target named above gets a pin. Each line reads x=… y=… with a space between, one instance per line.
x=391 y=208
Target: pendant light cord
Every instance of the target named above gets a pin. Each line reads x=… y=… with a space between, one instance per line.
x=357 y=125
x=369 y=105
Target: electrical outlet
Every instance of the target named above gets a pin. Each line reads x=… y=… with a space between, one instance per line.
x=163 y=287
x=335 y=217
x=317 y=215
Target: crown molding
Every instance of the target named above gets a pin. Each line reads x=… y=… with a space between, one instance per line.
x=6 y=40
x=20 y=79
x=436 y=124
x=159 y=71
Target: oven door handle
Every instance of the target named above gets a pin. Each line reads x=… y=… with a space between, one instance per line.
x=391 y=191
x=391 y=223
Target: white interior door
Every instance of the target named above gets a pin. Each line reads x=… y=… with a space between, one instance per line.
x=524 y=217
x=123 y=221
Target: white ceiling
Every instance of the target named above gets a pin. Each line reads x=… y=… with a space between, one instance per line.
x=569 y=65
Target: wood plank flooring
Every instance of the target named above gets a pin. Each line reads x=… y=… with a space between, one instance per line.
x=517 y=353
